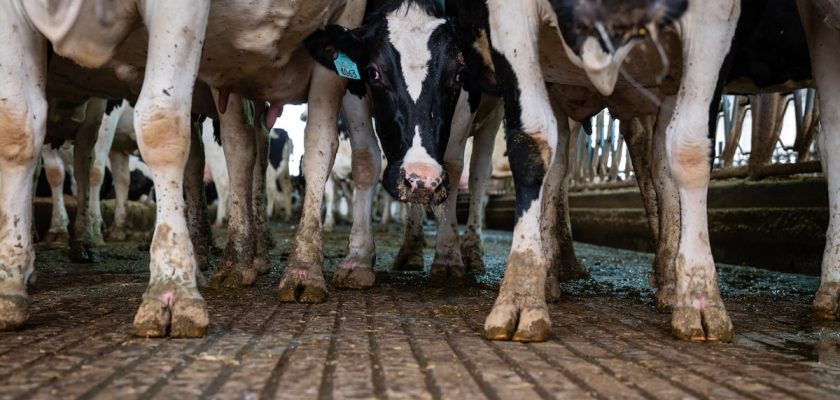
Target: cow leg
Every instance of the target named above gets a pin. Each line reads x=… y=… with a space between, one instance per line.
x=23 y=116
x=356 y=270
x=122 y=178
x=330 y=194
x=285 y=180
x=638 y=138
x=271 y=194
x=171 y=302
x=104 y=140
x=258 y=200
x=824 y=43
x=239 y=143
x=708 y=27
x=485 y=127
x=410 y=255
x=54 y=169
x=303 y=279
x=385 y=221
x=198 y=219
x=85 y=227
x=668 y=199
x=520 y=311
x=567 y=266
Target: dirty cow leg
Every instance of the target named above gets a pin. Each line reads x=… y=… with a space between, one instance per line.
x=23 y=114
x=198 y=220
x=825 y=43
x=566 y=265
x=698 y=313
x=86 y=231
x=668 y=199
x=356 y=270
x=486 y=125
x=330 y=193
x=54 y=169
x=410 y=255
x=239 y=143
x=171 y=303
x=303 y=279
x=121 y=177
x=285 y=181
x=259 y=212
x=104 y=140
x=520 y=312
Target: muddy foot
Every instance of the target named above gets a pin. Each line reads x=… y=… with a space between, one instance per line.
x=229 y=276
x=81 y=253
x=574 y=271
x=262 y=265
x=353 y=275
x=472 y=255
x=409 y=258
x=178 y=317
x=447 y=275
x=666 y=298
x=710 y=323
x=825 y=301
x=202 y=261
x=116 y=235
x=508 y=321
x=14 y=310
x=300 y=284
x=57 y=236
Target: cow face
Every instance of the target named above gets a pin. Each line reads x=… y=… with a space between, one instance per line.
x=408 y=60
x=598 y=34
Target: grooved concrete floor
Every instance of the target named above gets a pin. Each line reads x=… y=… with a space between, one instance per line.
x=403 y=340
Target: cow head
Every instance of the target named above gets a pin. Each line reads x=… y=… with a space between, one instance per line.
x=406 y=56
x=598 y=34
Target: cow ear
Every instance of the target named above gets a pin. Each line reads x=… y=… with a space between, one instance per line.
x=336 y=46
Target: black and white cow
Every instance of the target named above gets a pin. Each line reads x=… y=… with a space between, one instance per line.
x=280 y=149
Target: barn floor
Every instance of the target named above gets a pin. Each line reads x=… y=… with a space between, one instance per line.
x=402 y=339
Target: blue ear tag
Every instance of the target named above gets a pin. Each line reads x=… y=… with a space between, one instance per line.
x=346 y=67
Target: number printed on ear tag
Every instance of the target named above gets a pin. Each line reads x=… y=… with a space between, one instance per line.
x=346 y=67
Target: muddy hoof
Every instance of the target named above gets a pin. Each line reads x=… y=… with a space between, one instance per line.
x=56 y=237
x=14 y=310
x=354 y=278
x=233 y=277
x=80 y=253
x=409 y=260
x=116 y=235
x=567 y=273
x=473 y=258
x=666 y=298
x=262 y=265
x=444 y=275
x=298 y=285
x=509 y=322
x=708 y=324
x=186 y=318
x=202 y=262
x=825 y=302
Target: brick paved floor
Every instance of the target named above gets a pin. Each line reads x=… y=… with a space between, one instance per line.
x=403 y=340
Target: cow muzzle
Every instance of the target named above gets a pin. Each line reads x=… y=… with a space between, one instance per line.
x=423 y=183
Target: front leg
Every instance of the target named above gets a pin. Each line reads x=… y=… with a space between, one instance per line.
x=87 y=231
x=23 y=116
x=520 y=312
x=668 y=199
x=259 y=211
x=303 y=278
x=171 y=303
x=197 y=217
x=707 y=31
x=356 y=270
x=410 y=255
x=54 y=169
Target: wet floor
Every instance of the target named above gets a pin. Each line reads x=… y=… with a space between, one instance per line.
x=404 y=340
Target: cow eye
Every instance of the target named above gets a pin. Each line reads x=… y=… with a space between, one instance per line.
x=373 y=73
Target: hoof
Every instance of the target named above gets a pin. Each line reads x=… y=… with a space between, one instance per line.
x=56 y=237
x=233 y=277
x=708 y=324
x=409 y=260
x=14 y=310
x=473 y=258
x=353 y=278
x=566 y=273
x=262 y=265
x=80 y=253
x=445 y=275
x=298 y=285
x=825 y=302
x=202 y=262
x=666 y=297
x=116 y=235
x=509 y=322
x=184 y=318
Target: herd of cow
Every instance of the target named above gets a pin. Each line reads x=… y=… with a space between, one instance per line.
x=429 y=74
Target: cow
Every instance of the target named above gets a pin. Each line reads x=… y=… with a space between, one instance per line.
x=216 y=167
x=280 y=148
